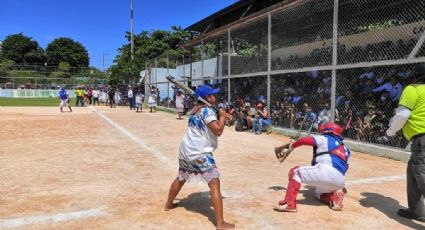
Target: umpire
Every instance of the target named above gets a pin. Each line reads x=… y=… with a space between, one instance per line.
x=410 y=115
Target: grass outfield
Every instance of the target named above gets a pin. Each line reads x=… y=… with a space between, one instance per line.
x=51 y=101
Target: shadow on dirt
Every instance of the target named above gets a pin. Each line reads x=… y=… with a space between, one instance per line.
x=387 y=206
x=199 y=202
x=307 y=193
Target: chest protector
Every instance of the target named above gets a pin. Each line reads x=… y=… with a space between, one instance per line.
x=336 y=148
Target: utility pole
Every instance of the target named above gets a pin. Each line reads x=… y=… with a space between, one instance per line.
x=103 y=61
x=131 y=30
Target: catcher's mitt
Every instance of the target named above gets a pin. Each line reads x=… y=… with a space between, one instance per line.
x=282 y=152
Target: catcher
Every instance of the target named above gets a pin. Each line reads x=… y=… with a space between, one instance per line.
x=327 y=170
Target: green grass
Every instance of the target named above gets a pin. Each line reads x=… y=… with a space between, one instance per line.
x=50 y=101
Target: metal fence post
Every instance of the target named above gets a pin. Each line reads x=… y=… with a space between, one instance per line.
x=202 y=61
x=147 y=76
x=334 y=58
x=269 y=58
x=228 y=66
x=156 y=72
x=168 y=83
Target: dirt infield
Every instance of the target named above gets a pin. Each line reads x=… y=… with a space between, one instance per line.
x=108 y=168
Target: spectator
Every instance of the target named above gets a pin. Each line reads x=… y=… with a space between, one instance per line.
x=117 y=97
x=231 y=115
x=138 y=100
x=245 y=117
x=358 y=127
x=130 y=96
x=324 y=115
x=393 y=87
x=89 y=94
x=385 y=104
x=370 y=75
x=152 y=100
x=111 y=95
x=379 y=125
x=367 y=88
x=95 y=94
x=262 y=118
x=180 y=104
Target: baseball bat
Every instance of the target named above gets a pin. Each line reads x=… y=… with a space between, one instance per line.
x=191 y=93
x=187 y=90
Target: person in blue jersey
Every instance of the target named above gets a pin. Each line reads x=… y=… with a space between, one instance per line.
x=196 y=161
x=64 y=99
x=327 y=170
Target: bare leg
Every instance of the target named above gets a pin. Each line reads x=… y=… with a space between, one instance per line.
x=249 y=122
x=217 y=203
x=174 y=190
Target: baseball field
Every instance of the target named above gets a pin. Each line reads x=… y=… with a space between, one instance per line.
x=102 y=168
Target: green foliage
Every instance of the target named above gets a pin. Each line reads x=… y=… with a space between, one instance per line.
x=209 y=50
x=148 y=45
x=59 y=74
x=67 y=50
x=22 y=50
x=5 y=67
x=64 y=66
x=245 y=49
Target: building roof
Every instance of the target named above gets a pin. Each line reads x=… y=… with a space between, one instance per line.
x=231 y=14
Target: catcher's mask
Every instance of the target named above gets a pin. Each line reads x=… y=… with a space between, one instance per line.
x=330 y=128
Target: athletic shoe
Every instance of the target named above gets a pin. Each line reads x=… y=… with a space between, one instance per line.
x=407 y=214
x=337 y=198
x=282 y=206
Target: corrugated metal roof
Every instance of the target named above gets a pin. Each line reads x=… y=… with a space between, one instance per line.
x=230 y=14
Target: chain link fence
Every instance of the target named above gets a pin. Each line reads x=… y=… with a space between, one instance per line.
x=309 y=62
x=47 y=77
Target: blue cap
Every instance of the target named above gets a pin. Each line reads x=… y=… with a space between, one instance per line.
x=206 y=90
x=262 y=98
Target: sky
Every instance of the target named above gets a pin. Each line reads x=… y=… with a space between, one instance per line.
x=99 y=25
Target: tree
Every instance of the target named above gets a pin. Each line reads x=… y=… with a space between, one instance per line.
x=67 y=50
x=22 y=50
x=148 y=45
x=5 y=67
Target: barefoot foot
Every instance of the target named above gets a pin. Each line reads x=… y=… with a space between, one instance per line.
x=225 y=225
x=169 y=207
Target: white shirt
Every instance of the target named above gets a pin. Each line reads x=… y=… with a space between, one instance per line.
x=152 y=98
x=179 y=101
x=199 y=139
x=130 y=93
x=138 y=99
x=95 y=93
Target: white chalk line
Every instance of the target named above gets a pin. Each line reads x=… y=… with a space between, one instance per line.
x=60 y=217
x=377 y=180
x=158 y=154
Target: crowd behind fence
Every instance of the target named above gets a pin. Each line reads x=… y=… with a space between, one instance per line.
x=314 y=61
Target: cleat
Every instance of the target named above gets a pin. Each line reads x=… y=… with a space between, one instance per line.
x=337 y=198
x=283 y=207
